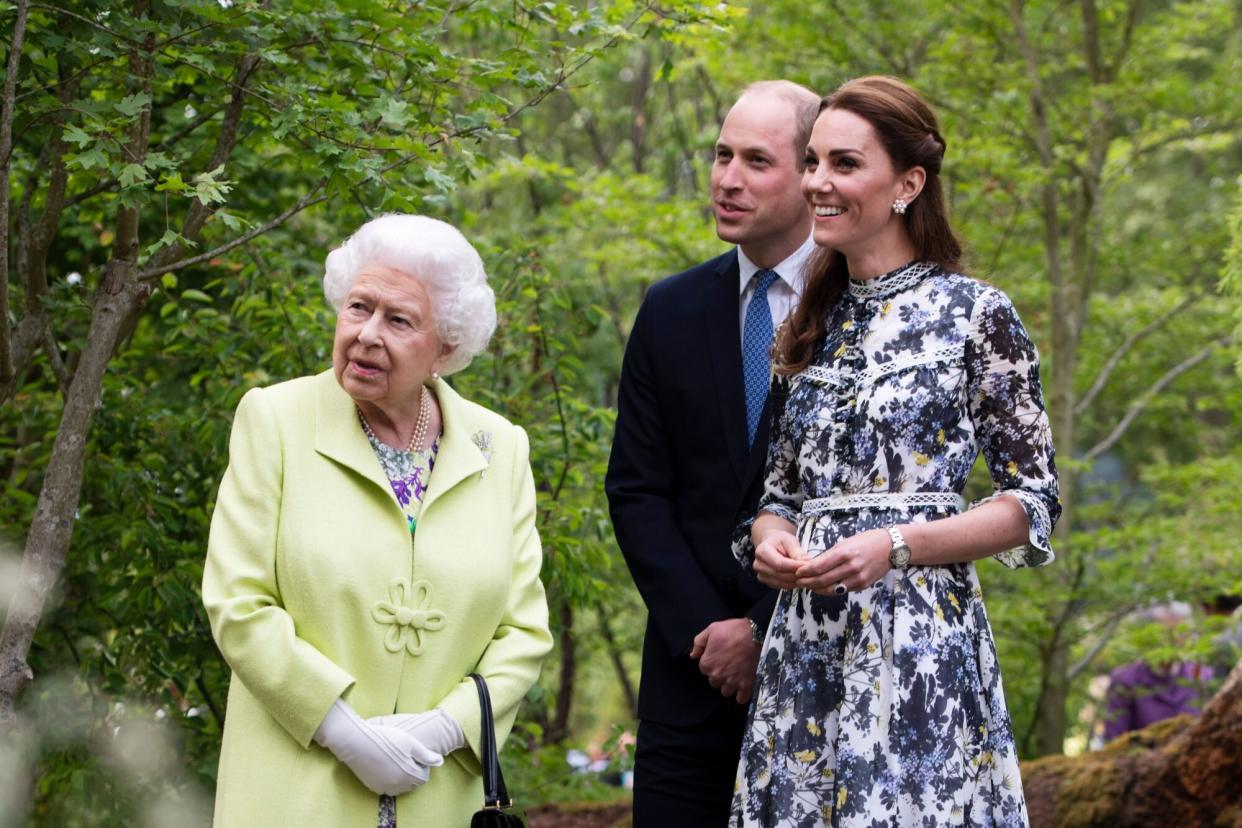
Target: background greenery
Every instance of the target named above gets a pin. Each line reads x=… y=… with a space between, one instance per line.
x=198 y=159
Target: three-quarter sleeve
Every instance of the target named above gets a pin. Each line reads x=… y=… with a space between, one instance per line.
x=1007 y=409
x=782 y=495
x=294 y=681
x=510 y=663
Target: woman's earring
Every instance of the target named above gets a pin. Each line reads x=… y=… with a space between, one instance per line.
x=899 y=206
x=435 y=375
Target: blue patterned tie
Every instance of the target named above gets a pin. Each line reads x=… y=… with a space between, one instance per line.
x=756 y=347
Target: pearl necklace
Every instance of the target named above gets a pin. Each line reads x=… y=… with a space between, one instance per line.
x=420 y=427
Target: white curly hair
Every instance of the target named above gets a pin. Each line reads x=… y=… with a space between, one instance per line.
x=439 y=257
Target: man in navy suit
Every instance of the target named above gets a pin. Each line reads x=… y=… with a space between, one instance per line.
x=688 y=455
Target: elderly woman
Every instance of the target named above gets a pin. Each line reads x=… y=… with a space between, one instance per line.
x=373 y=543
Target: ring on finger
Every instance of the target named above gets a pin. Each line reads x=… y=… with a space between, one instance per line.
x=839 y=589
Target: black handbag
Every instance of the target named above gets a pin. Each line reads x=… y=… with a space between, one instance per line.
x=496 y=801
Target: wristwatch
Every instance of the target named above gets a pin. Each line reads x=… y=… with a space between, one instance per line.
x=756 y=634
x=899 y=556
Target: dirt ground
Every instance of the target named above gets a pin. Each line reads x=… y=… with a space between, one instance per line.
x=607 y=815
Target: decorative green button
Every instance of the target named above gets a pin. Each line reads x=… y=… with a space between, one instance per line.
x=407 y=616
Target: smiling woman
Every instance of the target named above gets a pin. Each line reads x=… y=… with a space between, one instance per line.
x=373 y=544
x=878 y=699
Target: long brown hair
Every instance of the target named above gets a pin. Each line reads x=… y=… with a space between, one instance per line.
x=907 y=128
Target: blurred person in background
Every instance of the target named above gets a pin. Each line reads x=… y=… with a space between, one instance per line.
x=1141 y=693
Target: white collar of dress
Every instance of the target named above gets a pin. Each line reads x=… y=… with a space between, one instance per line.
x=891 y=283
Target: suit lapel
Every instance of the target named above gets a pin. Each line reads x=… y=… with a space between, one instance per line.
x=724 y=342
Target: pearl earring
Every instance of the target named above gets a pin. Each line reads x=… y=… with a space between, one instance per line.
x=899 y=206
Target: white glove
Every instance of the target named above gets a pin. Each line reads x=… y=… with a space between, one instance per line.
x=385 y=759
x=436 y=729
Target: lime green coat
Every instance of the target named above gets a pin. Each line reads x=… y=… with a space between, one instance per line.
x=314 y=591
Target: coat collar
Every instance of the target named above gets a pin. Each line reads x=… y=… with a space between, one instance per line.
x=339 y=437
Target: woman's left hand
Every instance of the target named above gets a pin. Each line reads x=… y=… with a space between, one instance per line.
x=857 y=562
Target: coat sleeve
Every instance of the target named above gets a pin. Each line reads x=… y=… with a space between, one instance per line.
x=681 y=599
x=294 y=681
x=782 y=491
x=1007 y=408
x=510 y=663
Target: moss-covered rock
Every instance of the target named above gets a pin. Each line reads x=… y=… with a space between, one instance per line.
x=1184 y=772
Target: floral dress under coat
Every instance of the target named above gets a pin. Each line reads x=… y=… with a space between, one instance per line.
x=884 y=707
x=408 y=473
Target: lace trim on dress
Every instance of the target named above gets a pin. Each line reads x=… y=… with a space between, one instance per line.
x=891 y=283
x=883 y=500
x=833 y=377
x=1037 y=551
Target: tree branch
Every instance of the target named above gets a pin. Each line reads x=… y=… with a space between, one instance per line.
x=6 y=145
x=93 y=23
x=1145 y=398
x=1127 y=38
x=309 y=200
x=1106 y=372
x=170 y=141
x=226 y=140
x=53 y=357
x=1106 y=636
x=1091 y=40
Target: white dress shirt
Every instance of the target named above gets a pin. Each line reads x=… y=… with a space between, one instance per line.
x=784 y=293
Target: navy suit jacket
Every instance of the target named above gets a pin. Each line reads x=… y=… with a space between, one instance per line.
x=681 y=477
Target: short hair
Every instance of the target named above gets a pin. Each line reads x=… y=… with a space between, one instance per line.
x=805 y=104
x=444 y=263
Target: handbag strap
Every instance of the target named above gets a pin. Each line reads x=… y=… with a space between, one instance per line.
x=494 y=793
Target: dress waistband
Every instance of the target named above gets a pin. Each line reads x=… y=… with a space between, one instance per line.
x=883 y=500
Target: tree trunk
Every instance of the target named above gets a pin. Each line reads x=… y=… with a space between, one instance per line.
x=8 y=104
x=119 y=301
x=558 y=729
x=1184 y=771
x=614 y=653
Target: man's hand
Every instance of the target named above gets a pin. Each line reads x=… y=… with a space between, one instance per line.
x=728 y=655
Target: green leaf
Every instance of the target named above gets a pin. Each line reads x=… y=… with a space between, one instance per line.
x=93 y=158
x=395 y=113
x=76 y=135
x=132 y=174
x=210 y=188
x=172 y=183
x=131 y=105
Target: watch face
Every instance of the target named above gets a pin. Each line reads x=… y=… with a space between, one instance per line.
x=899 y=557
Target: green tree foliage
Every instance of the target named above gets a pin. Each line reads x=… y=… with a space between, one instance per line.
x=178 y=172
x=1092 y=151
x=182 y=167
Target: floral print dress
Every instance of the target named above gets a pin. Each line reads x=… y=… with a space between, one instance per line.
x=884 y=707
x=408 y=473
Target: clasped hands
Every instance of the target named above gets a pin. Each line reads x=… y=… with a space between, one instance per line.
x=856 y=562
x=389 y=754
x=728 y=655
